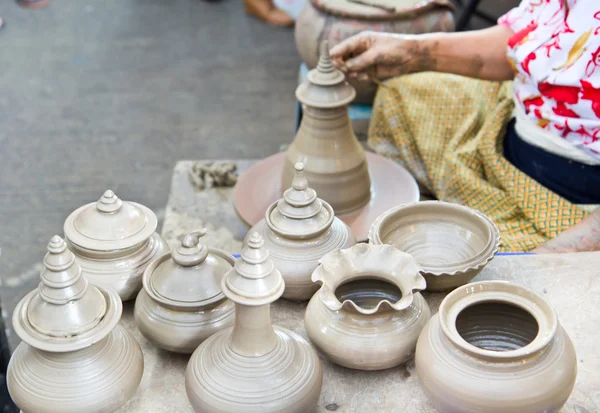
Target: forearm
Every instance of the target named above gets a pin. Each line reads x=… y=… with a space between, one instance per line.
x=584 y=236
x=480 y=54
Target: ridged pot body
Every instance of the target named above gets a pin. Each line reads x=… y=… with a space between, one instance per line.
x=366 y=341
x=335 y=163
x=120 y=270
x=296 y=259
x=97 y=379
x=178 y=330
x=314 y=25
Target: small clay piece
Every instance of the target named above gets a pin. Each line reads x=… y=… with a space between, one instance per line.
x=452 y=243
x=298 y=230
x=74 y=356
x=368 y=313
x=113 y=242
x=206 y=175
x=181 y=303
x=496 y=347
x=254 y=367
x=334 y=160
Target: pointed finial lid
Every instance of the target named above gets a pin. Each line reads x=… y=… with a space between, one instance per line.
x=189 y=276
x=110 y=224
x=65 y=311
x=325 y=86
x=299 y=214
x=254 y=280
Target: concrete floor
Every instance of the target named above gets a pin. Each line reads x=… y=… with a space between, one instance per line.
x=97 y=95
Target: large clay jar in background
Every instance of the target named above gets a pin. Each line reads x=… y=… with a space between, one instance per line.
x=368 y=313
x=74 y=356
x=113 y=242
x=298 y=230
x=337 y=20
x=496 y=347
x=181 y=303
x=254 y=367
x=334 y=161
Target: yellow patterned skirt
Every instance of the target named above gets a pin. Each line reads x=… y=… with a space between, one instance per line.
x=447 y=131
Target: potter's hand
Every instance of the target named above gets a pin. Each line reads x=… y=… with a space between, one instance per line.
x=380 y=55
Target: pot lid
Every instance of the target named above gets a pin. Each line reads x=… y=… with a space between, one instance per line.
x=253 y=280
x=380 y=9
x=325 y=86
x=189 y=276
x=65 y=312
x=110 y=224
x=300 y=214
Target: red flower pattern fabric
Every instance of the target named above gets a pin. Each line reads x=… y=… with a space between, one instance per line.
x=555 y=52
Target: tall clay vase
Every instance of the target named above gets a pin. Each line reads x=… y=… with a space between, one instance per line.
x=368 y=313
x=254 y=367
x=334 y=161
x=113 y=242
x=299 y=230
x=181 y=303
x=74 y=356
x=496 y=347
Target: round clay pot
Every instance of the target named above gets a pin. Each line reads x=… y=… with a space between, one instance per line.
x=452 y=243
x=337 y=20
x=368 y=313
x=113 y=242
x=299 y=230
x=496 y=347
x=182 y=304
x=254 y=367
x=74 y=356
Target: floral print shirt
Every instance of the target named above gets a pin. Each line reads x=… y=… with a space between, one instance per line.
x=555 y=53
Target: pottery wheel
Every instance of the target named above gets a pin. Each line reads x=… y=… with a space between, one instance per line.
x=391 y=185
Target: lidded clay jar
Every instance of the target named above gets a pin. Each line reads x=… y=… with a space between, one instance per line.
x=113 y=242
x=181 y=303
x=335 y=162
x=496 y=347
x=254 y=367
x=368 y=313
x=74 y=356
x=298 y=230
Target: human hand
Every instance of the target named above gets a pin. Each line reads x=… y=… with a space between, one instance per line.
x=380 y=55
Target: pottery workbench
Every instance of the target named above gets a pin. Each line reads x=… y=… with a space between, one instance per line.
x=571 y=282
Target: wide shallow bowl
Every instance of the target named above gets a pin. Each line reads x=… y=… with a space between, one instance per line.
x=495 y=347
x=451 y=243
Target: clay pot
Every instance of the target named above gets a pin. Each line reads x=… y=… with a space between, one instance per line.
x=368 y=313
x=496 y=347
x=181 y=303
x=74 y=356
x=298 y=230
x=334 y=161
x=254 y=367
x=337 y=20
x=113 y=242
x=452 y=243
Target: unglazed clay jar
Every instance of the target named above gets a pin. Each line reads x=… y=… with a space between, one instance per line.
x=337 y=20
x=254 y=367
x=113 y=242
x=181 y=303
x=298 y=230
x=451 y=242
x=74 y=356
x=496 y=347
x=334 y=161
x=368 y=313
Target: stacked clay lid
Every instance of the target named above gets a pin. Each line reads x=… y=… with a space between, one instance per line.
x=190 y=276
x=65 y=313
x=325 y=86
x=110 y=224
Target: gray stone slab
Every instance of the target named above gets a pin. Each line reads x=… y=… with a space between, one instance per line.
x=569 y=281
